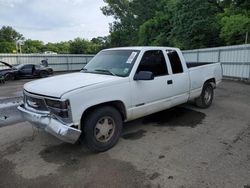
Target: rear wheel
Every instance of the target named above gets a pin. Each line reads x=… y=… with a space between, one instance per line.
x=102 y=128
x=206 y=98
x=44 y=74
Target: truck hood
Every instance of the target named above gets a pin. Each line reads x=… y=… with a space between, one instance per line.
x=56 y=86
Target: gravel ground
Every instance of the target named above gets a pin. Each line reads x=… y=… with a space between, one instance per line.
x=183 y=147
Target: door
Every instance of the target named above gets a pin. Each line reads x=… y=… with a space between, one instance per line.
x=26 y=70
x=152 y=95
x=180 y=77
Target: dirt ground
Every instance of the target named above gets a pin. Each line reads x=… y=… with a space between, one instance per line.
x=183 y=147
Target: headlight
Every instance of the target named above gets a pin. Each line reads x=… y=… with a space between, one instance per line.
x=58 y=108
x=57 y=104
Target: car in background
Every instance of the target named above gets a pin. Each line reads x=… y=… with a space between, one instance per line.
x=24 y=71
x=50 y=53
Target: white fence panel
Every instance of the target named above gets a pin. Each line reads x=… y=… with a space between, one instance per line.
x=235 y=60
x=59 y=62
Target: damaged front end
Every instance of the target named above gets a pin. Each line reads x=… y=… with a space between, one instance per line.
x=52 y=115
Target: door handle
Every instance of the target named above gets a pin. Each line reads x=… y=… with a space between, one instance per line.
x=170 y=82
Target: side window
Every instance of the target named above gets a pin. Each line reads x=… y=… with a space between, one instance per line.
x=27 y=67
x=153 y=61
x=37 y=66
x=175 y=61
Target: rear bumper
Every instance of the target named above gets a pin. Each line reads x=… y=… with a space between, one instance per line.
x=51 y=125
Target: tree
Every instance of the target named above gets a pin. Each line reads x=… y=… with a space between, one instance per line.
x=155 y=31
x=79 y=46
x=63 y=47
x=51 y=47
x=99 y=43
x=234 y=28
x=33 y=46
x=8 y=34
x=7 y=47
x=8 y=39
x=129 y=16
x=194 y=24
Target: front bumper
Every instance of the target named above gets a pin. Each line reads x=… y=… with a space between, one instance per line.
x=51 y=125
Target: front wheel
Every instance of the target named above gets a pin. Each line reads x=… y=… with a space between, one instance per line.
x=9 y=77
x=206 y=98
x=102 y=128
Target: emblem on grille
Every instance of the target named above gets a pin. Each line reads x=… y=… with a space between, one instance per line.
x=32 y=104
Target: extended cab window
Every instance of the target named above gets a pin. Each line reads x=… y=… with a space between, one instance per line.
x=175 y=61
x=153 y=61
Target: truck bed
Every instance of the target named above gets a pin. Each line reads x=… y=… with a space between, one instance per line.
x=192 y=64
x=200 y=72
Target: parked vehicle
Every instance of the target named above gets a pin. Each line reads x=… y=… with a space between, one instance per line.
x=116 y=86
x=24 y=71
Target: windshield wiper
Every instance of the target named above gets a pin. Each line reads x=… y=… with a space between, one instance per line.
x=105 y=70
x=84 y=69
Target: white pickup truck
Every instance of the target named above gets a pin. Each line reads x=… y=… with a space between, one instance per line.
x=116 y=86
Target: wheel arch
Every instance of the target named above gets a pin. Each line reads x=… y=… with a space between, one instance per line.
x=212 y=81
x=118 y=105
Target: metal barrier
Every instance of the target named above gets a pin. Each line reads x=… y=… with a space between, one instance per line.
x=59 y=62
x=236 y=70
x=235 y=60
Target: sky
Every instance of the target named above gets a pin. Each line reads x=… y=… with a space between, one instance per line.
x=55 y=20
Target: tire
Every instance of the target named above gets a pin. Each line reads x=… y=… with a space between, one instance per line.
x=44 y=74
x=2 y=80
x=9 y=77
x=206 y=98
x=102 y=129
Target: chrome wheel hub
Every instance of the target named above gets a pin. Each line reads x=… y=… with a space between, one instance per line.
x=207 y=96
x=104 y=129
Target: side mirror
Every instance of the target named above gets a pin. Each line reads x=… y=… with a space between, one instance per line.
x=144 y=75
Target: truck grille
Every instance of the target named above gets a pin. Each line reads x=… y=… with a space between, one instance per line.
x=35 y=103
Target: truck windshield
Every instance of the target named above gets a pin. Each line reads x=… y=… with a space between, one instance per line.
x=112 y=62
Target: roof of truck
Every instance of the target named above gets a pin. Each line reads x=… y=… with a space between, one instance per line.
x=143 y=48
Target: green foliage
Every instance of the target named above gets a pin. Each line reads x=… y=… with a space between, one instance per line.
x=99 y=43
x=33 y=46
x=182 y=23
x=8 y=39
x=129 y=16
x=62 y=47
x=7 y=47
x=156 y=31
x=195 y=29
x=8 y=34
x=83 y=46
x=234 y=28
x=79 y=46
x=185 y=24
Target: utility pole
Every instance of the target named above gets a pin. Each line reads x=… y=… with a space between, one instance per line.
x=16 y=47
x=19 y=44
x=246 y=41
x=20 y=47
